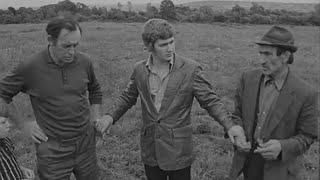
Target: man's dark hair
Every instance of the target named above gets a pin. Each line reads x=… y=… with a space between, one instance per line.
x=283 y=50
x=55 y=26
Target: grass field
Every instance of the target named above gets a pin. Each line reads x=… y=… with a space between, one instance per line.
x=224 y=51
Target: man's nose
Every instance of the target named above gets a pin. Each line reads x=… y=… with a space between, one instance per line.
x=170 y=47
x=262 y=59
x=9 y=125
x=71 y=50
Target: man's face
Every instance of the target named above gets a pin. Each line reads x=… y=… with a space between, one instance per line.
x=64 y=47
x=164 y=49
x=271 y=64
x=4 y=127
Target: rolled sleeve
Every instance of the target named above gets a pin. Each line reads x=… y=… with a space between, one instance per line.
x=209 y=100
x=95 y=94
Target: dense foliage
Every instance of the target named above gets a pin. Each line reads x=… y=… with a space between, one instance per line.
x=257 y=14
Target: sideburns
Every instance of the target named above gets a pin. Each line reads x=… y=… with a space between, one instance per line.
x=54 y=42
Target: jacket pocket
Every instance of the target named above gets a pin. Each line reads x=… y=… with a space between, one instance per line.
x=293 y=170
x=182 y=141
x=147 y=144
x=182 y=132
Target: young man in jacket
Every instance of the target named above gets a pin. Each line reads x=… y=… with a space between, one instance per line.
x=167 y=84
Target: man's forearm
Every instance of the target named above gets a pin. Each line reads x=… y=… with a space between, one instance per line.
x=15 y=115
x=3 y=108
x=94 y=112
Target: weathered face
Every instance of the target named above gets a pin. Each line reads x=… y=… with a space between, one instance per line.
x=271 y=64
x=63 y=48
x=164 y=49
x=4 y=127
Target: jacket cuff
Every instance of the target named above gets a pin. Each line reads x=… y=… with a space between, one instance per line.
x=113 y=120
x=228 y=123
x=285 y=149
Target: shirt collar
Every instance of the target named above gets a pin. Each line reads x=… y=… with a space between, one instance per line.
x=150 y=65
x=279 y=79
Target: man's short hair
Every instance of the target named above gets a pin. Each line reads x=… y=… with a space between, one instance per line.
x=155 y=29
x=55 y=26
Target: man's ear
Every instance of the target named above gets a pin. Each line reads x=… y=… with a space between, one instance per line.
x=149 y=47
x=285 y=56
x=50 y=40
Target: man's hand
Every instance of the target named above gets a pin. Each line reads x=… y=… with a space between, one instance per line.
x=242 y=144
x=103 y=123
x=94 y=112
x=27 y=174
x=33 y=130
x=269 y=150
x=236 y=132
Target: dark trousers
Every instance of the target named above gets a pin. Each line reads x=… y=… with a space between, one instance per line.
x=254 y=168
x=56 y=160
x=155 y=173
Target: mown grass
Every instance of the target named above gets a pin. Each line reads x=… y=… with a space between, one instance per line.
x=224 y=50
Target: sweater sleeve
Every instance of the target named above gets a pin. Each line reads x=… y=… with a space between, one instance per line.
x=95 y=94
x=13 y=83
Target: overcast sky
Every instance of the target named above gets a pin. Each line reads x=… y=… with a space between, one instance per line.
x=4 y=4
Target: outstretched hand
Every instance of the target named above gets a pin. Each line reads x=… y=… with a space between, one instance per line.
x=236 y=132
x=103 y=123
x=242 y=144
x=238 y=138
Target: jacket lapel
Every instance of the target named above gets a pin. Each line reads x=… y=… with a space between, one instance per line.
x=250 y=101
x=176 y=78
x=281 y=106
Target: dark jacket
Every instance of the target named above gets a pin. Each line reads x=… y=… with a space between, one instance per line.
x=292 y=121
x=166 y=136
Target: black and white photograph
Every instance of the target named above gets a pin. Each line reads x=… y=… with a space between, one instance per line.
x=159 y=89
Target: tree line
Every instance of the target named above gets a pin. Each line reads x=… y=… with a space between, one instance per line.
x=256 y=14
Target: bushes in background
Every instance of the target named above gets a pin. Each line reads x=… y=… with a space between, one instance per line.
x=256 y=14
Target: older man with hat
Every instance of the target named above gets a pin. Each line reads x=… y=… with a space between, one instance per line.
x=278 y=113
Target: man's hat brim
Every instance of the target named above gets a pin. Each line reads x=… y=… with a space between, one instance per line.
x=284 y=46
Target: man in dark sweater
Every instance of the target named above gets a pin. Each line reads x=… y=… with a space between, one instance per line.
x=57 y=80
